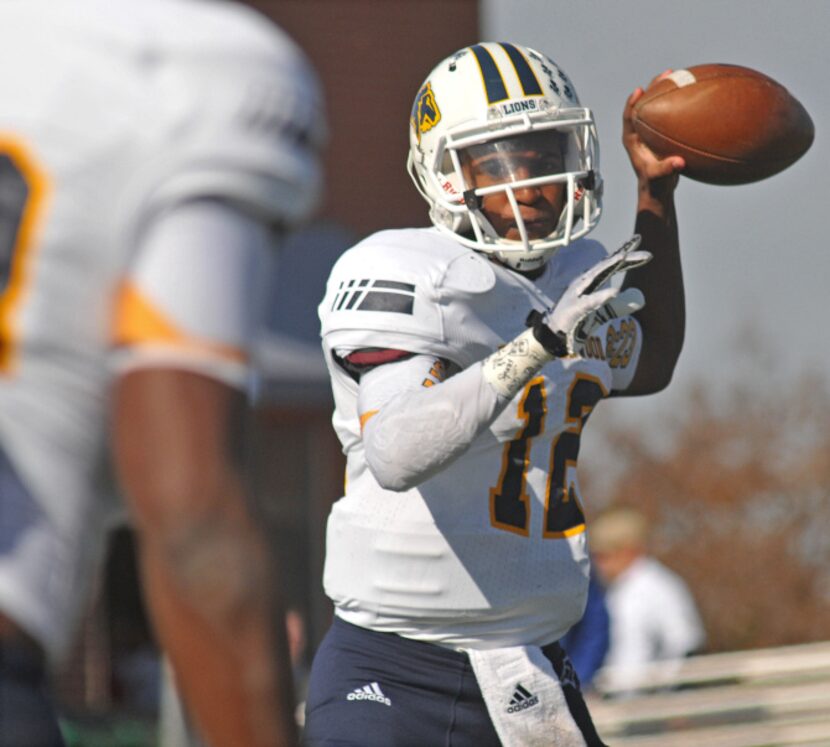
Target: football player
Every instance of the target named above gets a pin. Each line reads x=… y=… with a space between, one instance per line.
x=151 y=154
x=465 y=359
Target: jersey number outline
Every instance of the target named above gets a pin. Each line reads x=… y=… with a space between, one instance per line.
x=23 y=187
x=509 y=502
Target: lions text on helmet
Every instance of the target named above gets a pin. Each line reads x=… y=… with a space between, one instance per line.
x=504 y=154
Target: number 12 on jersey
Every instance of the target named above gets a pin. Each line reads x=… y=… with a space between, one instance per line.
x=509 y=502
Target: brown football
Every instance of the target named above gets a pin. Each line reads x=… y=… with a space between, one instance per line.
x=733 y=125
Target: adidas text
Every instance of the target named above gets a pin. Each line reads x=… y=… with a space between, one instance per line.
x=524 y=705
x=369 y=692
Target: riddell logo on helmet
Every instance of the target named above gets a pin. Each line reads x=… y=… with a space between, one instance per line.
x=425 y=112
x=447 y=186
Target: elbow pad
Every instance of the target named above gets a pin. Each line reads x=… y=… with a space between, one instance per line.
x=417 y=431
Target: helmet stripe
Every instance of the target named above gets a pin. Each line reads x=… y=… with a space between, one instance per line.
x=530 y=84
x=493 y=82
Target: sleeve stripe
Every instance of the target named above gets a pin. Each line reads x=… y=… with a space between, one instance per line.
x=366 y=417
x=138 y=323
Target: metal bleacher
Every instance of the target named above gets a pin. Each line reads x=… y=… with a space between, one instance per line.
x=777 y=697
x=760 y=698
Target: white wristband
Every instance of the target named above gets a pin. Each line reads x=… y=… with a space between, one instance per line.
x=512 y=366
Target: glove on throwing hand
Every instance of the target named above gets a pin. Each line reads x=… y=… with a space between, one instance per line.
x=585 y=304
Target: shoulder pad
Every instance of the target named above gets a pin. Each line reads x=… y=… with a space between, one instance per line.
x=469 y=273
x=247 y=129
x=384 y=292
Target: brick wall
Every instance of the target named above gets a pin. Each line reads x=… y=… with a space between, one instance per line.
x=372 y=56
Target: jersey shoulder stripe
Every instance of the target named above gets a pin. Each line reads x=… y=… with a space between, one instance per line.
x=385 y=292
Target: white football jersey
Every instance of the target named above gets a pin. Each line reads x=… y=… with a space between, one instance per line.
x=112 y=114
x=491 y=551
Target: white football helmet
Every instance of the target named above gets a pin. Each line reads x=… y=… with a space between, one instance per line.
x=514 y=109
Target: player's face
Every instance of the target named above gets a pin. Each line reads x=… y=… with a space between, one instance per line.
x=540 y=206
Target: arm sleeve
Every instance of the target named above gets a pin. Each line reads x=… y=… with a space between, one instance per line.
x=415 y=422
x=193 y=297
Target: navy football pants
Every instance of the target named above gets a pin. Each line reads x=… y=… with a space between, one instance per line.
x=27 y=715
x=370 y=689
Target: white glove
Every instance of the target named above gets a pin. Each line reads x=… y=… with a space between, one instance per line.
x=582 y=305
x=558 y=332
x=625 y=304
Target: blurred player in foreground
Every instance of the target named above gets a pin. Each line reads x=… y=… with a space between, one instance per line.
x=150 y=154
x=458 y=555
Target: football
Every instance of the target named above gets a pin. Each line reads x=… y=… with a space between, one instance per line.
x=732 y=124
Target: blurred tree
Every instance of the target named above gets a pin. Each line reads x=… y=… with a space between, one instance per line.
x=739 y=500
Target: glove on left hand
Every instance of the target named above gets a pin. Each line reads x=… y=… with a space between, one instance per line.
x=561 y=327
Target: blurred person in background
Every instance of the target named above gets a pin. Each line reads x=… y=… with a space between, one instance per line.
x=152 y=153
x=653 y=615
